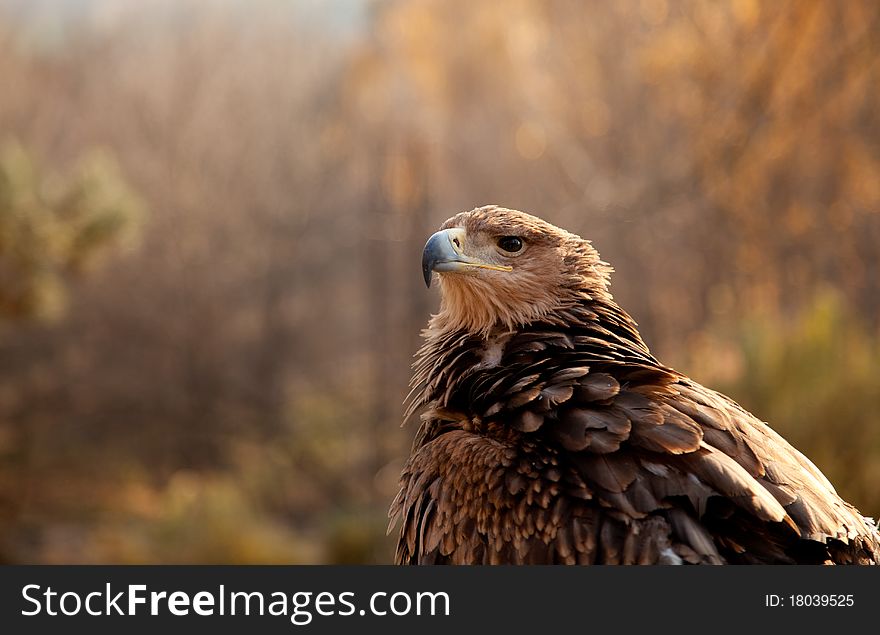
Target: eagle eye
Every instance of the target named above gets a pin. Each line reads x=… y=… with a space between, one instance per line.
x=511 y=244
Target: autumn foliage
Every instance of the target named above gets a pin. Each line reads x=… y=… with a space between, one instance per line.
x=211 y=219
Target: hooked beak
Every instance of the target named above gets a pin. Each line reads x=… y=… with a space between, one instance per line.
x=444 y=252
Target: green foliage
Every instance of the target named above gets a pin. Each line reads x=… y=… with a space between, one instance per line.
x=192 y=518
x=197 y=518
x=52 y=225
x=358 y=536
x=814 y=379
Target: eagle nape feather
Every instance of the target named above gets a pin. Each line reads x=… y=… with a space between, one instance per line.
x=551 y=435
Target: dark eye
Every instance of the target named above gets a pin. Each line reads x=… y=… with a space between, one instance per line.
x=510 y=243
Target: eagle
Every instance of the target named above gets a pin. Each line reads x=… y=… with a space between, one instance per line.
x=549 y=433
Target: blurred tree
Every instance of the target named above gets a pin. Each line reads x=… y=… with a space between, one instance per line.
x=813 y=377
x=52 y=226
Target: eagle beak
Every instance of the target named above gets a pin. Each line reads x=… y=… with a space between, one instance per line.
x=444 y=252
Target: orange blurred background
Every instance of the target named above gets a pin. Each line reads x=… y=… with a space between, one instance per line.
x=212 y=213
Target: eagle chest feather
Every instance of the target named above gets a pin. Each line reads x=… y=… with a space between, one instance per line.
x=493 y=477
x=550 y=446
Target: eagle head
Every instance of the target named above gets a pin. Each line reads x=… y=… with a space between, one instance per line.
x=500 y=267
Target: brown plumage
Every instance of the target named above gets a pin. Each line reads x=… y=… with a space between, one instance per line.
x=550 y=434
